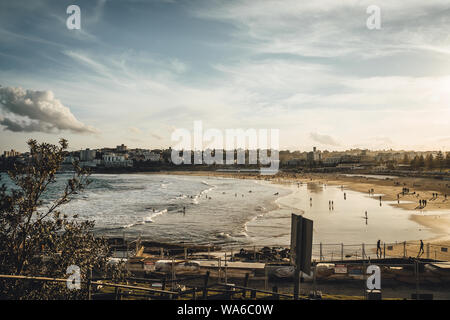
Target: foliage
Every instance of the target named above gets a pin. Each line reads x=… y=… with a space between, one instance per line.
x=36 y=239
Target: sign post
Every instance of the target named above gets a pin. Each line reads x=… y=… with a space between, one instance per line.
x=301 y=248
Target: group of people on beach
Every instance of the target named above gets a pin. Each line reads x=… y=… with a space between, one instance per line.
x=380 y=251
x=422 y=203
x=331 y=205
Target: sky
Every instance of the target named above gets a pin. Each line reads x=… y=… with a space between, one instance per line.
x=138 y=70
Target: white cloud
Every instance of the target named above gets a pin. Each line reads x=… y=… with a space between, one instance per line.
x=324 y=139
x=30 y=110
x=330 y=28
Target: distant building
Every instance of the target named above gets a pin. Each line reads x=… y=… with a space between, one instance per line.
x=113 y=160
x=87 y=155
x=70 y=160
x=121 y=148
x=11 y=153
x=152 y=156
x=314 y=155
x=332 y=161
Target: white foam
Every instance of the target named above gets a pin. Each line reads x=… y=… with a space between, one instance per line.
x=149 y=218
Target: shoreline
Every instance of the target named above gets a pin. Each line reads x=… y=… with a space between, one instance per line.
x=436 y=215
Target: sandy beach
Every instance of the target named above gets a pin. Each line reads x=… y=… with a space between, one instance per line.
x=435 y=215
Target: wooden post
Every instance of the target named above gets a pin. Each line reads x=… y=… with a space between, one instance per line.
x=266 y=278
x=162 y=253
x=384 y=250
x=209 y=250
x=342 y=252
x=416 y=267
x=244 y=291
x=89 y=285
x=254 y=253
x=320 y=253
x=364 y=278
x=428 y=251
x=226 y=269
x=205 y=286
x=194 y=294
x=219 y=266
x=363 y=250
x=173 y=273
x=404 y=249
x=314 y=277
x=296 y=283
x=116 y=293
x=253 y=294
x=275 y=295
x=185 y=253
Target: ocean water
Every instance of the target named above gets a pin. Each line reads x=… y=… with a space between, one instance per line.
x=230 y=212
x=173 y=208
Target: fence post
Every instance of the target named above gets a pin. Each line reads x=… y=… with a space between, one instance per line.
x=342 y=252
x=428 y=251
x=89 y=285
x=320 y=252
x=226 y=274
x=254 y=253
x=384 y=250
x=162 y=253
x=404 y=249
x=185 y=253
x=275 y=295
x=253 y=294
x=244 y=291
x=416 y=269
x=173 y=273
x=163 y=285
x=219 y=265
x=266 y=279
x=363 y=252
x=205 y=286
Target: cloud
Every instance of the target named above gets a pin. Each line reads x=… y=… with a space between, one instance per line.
x=154 y=135
x=323 y=139
x=330 y=28
x=135 y=130
x=37 y=111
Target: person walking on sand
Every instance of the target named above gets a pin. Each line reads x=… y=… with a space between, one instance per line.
x=421 y=251
x=379 y=249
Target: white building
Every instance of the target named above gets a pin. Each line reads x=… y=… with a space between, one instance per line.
x=113 y=160
x=152 y=156
x=315 y=155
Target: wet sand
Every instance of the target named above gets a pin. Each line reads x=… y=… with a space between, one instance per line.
x=435 y=215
